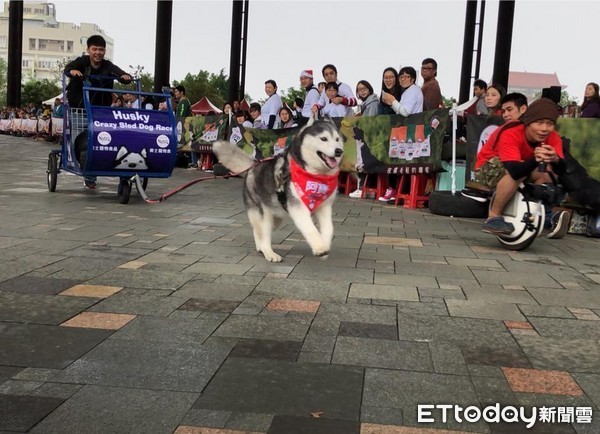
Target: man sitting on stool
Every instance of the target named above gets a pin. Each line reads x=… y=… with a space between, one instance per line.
x=517 y=151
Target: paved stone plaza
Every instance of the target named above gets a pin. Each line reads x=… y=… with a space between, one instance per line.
x=162 y=318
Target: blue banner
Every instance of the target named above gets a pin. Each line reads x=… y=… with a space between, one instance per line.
x=131 y=141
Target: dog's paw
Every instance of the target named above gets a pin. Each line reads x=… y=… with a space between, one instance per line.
x=321 y=253
x=273 y=257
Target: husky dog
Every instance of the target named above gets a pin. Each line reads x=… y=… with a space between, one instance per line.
x=300 y=182
x=131 y=160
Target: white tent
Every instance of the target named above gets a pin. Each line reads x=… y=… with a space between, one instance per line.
x=50 y=101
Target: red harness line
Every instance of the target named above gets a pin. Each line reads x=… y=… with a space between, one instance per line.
x=138 y=183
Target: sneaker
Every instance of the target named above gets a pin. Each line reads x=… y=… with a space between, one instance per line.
x=357 y=194
x=192 y=166
x=89 y=184
x=478 y=195
x=390 y=194
x=497 y=226
x=560 y=225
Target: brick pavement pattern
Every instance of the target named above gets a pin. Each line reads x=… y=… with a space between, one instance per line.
x=162 y=318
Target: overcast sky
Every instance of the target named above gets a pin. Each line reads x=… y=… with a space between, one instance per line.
x=360 y=37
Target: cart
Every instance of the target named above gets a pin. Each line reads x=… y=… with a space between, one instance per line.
x=115 y=141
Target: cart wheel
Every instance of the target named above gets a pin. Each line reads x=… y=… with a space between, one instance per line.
x=124 y=191
x=52 y=172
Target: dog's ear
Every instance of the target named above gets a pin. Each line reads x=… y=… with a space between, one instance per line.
x=311 y=119
x=122 y=152
x=143 y=153
x=328 y=119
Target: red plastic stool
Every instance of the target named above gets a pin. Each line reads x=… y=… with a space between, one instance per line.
x=380 y=186
x=346 y=183
x=418 y=192
x=206 y=162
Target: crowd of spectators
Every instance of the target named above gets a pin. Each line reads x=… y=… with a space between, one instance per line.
x=399 y=94
x=32 y=120
x=30 y=111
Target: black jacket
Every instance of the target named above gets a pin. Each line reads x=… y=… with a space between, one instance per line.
x=75 y=86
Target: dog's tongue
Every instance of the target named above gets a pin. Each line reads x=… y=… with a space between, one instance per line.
x=331 y=162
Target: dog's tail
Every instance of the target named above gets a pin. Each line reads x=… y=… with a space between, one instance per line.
x=232 y=157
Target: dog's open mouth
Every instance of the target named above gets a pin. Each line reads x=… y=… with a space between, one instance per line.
x=330 y=162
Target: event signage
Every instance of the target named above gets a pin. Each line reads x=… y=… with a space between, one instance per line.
x=126 y=139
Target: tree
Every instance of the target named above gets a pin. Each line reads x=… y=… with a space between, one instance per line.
x=35 y=91
x=290 y=95
x=213 y=86
x=448 y=101
x=60 y=67
x=220 y=83
x=145 y=78
x=3 y=67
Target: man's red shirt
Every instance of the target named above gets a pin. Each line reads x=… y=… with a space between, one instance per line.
x=510 y=144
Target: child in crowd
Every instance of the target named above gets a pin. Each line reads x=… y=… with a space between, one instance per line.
x=243 y=118
x=331 y=109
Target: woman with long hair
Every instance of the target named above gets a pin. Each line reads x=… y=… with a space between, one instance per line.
x=286 y=118
x=369 y=107
x=389 y=84
x=493 y=99
x=118 y=102
x=369 y=102
x=591 y=102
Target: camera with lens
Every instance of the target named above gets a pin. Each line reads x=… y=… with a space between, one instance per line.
x=548 y=194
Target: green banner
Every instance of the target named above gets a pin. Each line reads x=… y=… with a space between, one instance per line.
x=476 y=124
x=375 y=144
x=261 y=143
x=394 y=143
x=585 y=141
x=197 y=133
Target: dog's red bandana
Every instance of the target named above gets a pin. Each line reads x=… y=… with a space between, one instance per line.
x=312 y=189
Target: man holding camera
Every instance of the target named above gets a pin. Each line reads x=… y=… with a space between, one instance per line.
x=517 y=151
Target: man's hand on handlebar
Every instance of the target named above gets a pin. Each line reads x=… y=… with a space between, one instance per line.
x=546 y=154
x=125 y=78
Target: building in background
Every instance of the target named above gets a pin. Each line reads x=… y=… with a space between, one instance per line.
x=48 y=44
x=531 y=84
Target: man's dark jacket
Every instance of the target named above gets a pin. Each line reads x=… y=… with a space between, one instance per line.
x=75 y=86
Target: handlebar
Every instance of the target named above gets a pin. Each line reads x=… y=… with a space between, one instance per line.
x=112 y=77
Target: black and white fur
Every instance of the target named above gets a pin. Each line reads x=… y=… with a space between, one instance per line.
x=269 y=195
